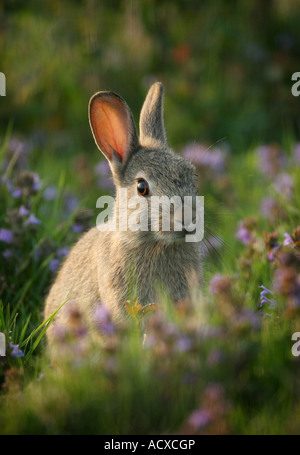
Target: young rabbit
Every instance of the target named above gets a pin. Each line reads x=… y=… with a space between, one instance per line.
x=116 y=265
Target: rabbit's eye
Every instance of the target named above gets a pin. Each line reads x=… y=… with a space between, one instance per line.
x=142 y=187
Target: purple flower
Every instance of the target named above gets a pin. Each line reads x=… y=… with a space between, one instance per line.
x=23 y=211
x=71 y=203
x=102 y=171
x=8 y=183
x=287 y=281
x=36 y=183
x=271 y=159
x=50 y=193
x=18 y=146
x=269 y=207
x=16 y=352
x=54 y=265
x=270 y=256
x=284 y=185
x=101 y=313
x=263 y=299
x=102 y=168
x=77 y=228
x=297 y=153
x=7 y=254
x=16 y=193
x=249 y=318
x=6 y=235
x=218 y=277
x=62 y=252
x=150 y=341
x=220 y=284
x=243 y=234
x=183 y=344
x=200 y=155
x=103 y=320
x=199 y=419
x=287 y=239
x=33 y=220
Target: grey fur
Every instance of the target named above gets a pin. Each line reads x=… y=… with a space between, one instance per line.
x=112 y=267
x=152 y=129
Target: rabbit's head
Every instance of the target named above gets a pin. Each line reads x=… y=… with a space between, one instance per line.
x=145 y=166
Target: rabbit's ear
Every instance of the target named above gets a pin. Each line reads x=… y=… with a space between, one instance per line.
x=152 y=129
x=113 y=126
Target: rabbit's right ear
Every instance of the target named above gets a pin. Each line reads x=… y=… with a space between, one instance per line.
x=113 y=127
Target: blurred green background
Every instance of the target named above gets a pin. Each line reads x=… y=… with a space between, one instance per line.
x=226 y=67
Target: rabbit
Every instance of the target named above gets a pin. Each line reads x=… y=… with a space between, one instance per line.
x=112 y=266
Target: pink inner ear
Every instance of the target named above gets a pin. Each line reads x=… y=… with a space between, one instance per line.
x=110 y=125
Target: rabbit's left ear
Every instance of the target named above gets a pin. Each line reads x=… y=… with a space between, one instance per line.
x=113 y=127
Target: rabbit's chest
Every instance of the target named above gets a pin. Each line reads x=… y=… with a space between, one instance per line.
x=164 y=274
